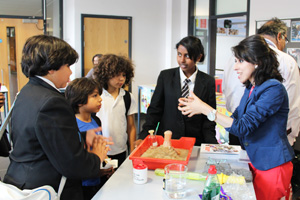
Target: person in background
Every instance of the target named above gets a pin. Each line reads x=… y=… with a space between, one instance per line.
x=232 y=88
x=46 y=141
x=83 y=95
x=113 y=73
x=172 y=84
x=260 y=120
x=95 y=60
x=4 y=143
x=275 y=33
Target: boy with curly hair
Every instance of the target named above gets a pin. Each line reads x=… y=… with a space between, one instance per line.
x=113 y=73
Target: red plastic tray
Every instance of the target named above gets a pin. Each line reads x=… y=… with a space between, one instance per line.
x=153 y=163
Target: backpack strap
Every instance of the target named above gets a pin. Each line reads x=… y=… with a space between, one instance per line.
x=127 y=101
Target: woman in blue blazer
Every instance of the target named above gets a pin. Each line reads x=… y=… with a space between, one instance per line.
x=260 y=120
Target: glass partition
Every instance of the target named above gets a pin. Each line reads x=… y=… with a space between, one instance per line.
x=54 y=19
x=230 y=31
x=201 y=29
x=30 y=8
x=220 y=25
x=230 y=6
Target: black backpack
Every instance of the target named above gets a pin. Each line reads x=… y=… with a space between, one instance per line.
x=127 y=101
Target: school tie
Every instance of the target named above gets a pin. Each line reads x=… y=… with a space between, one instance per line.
x=185 y=89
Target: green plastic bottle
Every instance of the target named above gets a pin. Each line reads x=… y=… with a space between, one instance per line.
x=212 y=186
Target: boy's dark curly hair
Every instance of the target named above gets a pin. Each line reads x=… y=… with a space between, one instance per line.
x=110 y=66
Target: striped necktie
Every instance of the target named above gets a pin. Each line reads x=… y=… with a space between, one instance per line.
x=185 y=89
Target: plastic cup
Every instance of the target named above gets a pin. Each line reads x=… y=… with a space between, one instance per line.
x=175 y=180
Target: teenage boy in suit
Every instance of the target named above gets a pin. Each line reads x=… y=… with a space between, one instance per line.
x=164 y=102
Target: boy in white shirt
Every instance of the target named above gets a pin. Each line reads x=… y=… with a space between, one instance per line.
x=113 y=73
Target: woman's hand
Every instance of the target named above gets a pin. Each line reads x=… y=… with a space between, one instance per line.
x=192 y=105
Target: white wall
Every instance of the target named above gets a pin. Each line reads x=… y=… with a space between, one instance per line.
x=266 y=9
x=259 y=10
x=157 y=25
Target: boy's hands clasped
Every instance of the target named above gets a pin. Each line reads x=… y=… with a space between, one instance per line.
x=99 y=143
x=100 y=148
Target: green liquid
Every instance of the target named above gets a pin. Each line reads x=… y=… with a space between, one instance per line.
x=212 y=192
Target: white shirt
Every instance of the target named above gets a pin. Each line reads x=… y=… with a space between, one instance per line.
x=114 y=122
x=48 y=81
x=192 y=78
x=289 y=70
x=290 y=73
x=232 y=88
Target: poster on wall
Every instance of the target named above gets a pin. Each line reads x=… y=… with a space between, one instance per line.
x=295 y=31
x=234 y=27
x=295 y=53
x=146 y=92
x=201 y=23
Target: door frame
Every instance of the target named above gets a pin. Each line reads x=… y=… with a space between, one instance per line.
x=107 y=17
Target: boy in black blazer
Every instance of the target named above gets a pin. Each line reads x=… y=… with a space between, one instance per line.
x=46 y=141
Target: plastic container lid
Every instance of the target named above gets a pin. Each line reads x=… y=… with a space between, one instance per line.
x=212 y=169
x=138 y=164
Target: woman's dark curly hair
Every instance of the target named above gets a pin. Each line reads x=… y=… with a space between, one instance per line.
x=42 y=53
x=78 y=91
x=255 y=50
x=110 y=66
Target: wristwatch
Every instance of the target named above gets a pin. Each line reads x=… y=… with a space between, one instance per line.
x=211 y=116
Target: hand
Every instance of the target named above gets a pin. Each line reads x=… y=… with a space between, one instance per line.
x=99 y=148
x=191 y=106
x=137 y=143
x=2 y=99
x=91 y=135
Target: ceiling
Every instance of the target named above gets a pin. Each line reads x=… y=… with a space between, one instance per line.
x=22 y=7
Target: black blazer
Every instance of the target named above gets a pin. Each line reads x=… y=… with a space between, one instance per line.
x=164 y=103
x=47 y=143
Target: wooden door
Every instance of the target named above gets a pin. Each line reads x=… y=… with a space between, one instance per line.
x=22 y=32
x=103 y=35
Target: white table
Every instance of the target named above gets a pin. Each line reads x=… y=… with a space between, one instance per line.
x=121 y=186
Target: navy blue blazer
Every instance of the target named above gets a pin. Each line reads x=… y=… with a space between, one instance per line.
x=260 y=123
x=164 y=108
